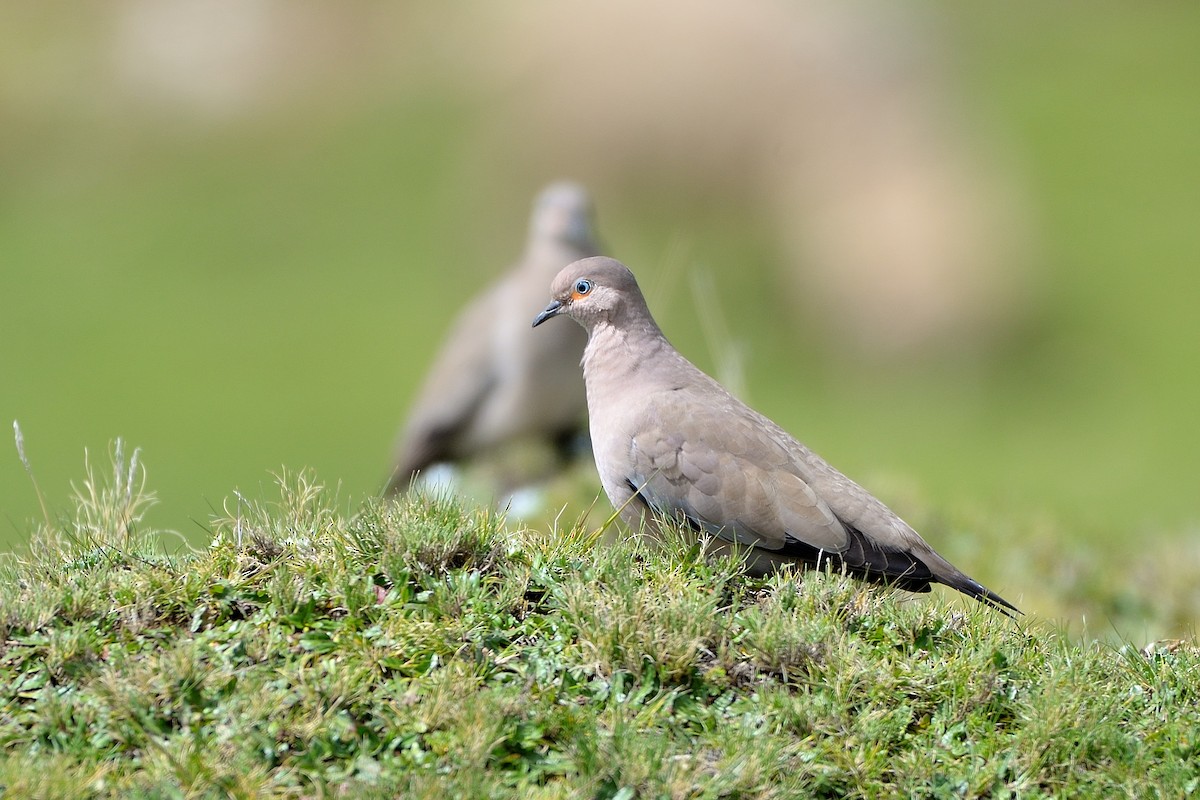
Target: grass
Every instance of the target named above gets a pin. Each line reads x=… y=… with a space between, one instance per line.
x=317 y=648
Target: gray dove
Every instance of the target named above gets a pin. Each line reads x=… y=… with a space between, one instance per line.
x=495 y=380
x=670 y=442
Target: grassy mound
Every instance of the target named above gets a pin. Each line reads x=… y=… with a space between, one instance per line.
x=422 y=649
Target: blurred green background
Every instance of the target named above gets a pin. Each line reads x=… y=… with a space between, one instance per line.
x=234 y=236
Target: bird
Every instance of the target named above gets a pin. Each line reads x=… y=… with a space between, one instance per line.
x=673 y=446
x=494 y=381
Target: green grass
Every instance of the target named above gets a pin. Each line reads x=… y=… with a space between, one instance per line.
x=322 y=648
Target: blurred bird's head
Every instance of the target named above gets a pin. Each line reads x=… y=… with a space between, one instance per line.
x=562 y=212
x=594 y=291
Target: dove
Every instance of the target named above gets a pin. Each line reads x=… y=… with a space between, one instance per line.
x=494 y=381
x=674 y=446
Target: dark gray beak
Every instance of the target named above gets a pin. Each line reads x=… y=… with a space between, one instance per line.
x=548 y=312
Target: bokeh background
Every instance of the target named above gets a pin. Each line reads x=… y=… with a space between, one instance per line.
x=955 y=247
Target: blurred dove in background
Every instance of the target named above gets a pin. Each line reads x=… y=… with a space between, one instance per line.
x=495 y=382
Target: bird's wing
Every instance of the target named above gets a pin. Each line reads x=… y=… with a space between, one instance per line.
x=721 y=470
x=721 y=474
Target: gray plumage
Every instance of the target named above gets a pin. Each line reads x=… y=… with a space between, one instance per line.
x=495 y=380
x=670 y=441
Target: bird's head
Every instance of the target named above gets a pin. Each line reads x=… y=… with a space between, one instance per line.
x=562 y=212
x=594 y=290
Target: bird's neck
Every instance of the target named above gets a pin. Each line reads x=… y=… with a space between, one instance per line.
x=610 y=357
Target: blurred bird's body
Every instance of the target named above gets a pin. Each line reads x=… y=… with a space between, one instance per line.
x=496 y=382
x=672 y=444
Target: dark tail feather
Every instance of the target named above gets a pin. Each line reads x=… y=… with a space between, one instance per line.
x=974 y=588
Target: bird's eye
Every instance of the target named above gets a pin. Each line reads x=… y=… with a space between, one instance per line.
x=583 y=286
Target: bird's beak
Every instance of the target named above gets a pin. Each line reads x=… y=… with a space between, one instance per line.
x=548 y=312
